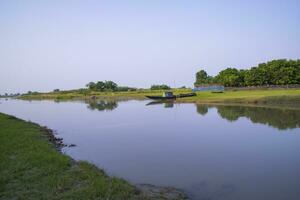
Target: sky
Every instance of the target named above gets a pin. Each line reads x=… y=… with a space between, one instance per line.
x=50 y=44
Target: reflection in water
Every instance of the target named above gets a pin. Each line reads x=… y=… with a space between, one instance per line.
x=167 y=104
x=276 y=117
x=202 y=109
x=102 y=105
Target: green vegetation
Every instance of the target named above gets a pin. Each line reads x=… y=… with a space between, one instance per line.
x=270 y=97
x=9 y=95
x=160 y=87
x=275 y=72
x=31 y=168
x=108 y=86
x=203 y=78
x=87 y=94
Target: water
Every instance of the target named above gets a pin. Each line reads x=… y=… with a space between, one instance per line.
x=211 y=152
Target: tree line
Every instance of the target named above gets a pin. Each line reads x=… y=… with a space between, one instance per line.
x=103 y=86
x=10 y=95
x=160 y=87
x=275 y=72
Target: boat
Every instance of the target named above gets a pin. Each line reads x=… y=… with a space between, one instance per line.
x=186 y=95
x=170 y=95
x=161 y=97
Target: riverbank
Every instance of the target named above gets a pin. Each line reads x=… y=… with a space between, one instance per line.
x=265 y=96
x=87 y=94
x=32 y=167
x=261 y=97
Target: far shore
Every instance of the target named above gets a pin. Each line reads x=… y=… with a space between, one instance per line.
x=259 y=96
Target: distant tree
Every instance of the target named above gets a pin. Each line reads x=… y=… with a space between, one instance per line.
x=56 y=90
x=102 y=86
x=111 y=86
x=160 y=87
x=229 y=77
x=202 y=78
x=91 y=85
x=252 y=77
x=275 y=72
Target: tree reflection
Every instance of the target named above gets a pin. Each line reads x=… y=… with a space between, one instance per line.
x=202 y=109
x=102 y=105
x=275 y=117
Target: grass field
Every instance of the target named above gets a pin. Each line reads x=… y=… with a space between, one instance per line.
x=247 y=96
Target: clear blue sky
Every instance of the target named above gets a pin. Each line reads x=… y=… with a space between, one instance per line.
x=65 y=44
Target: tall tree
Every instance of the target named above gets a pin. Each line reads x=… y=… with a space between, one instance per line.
x=202 y=78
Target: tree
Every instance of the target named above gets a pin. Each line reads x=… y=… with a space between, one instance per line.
x=91 y=85
x=160 y=87
x=100 y=86
x=203 y=78
x=110 y=85
x=229 y=77
x=275 y=72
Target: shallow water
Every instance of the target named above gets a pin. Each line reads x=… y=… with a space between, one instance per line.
x=211 y=152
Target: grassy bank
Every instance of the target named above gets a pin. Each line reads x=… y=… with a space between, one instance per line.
x=32 y=168
x=269 y=96
x=77 y=94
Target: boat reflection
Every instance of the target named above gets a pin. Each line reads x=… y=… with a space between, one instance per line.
x=166 y=103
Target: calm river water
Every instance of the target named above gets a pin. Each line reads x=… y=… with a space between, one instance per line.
x=211 y=152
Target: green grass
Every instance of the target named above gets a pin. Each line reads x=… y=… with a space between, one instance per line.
x=75 y=94
x=31 y=168
x=246 y=96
